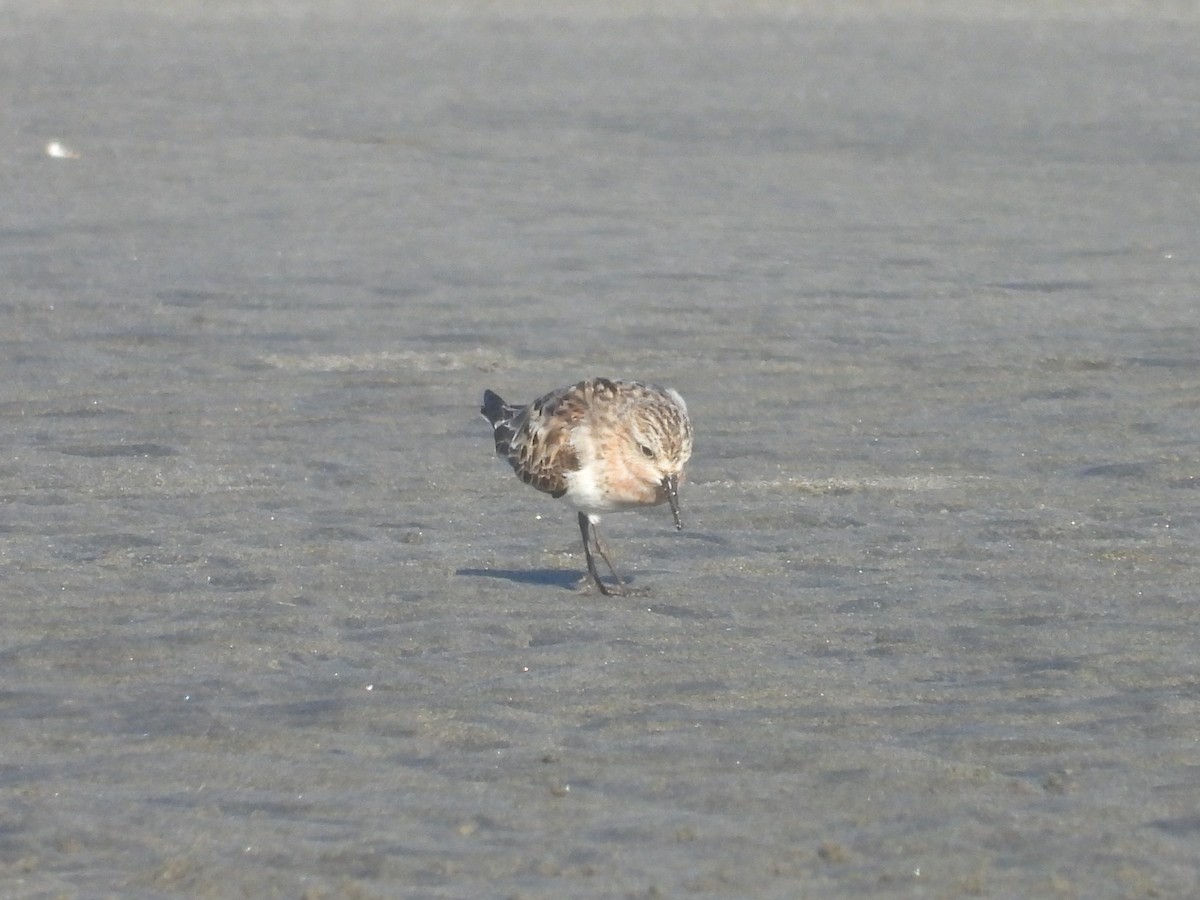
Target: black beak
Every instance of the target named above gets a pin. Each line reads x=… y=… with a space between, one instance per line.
x=671 y=486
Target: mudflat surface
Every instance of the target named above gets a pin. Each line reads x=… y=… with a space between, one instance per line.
x=277 y=624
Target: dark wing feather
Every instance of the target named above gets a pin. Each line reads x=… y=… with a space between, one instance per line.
x=536 y=439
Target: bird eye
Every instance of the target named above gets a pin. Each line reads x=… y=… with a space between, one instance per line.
x=647 y=452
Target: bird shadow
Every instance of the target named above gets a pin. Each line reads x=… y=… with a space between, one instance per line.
x=563 y=578
x=570 y=580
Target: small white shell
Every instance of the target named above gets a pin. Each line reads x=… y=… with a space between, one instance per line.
x=59 y=150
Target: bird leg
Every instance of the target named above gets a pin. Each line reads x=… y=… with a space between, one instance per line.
x=618 y=590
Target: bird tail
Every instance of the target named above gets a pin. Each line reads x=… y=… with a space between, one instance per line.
x=500 y=415
x=494 y=408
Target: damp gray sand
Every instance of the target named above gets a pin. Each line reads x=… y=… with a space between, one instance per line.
x=277 y=623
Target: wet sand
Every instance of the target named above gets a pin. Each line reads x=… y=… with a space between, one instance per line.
x=277 y=624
